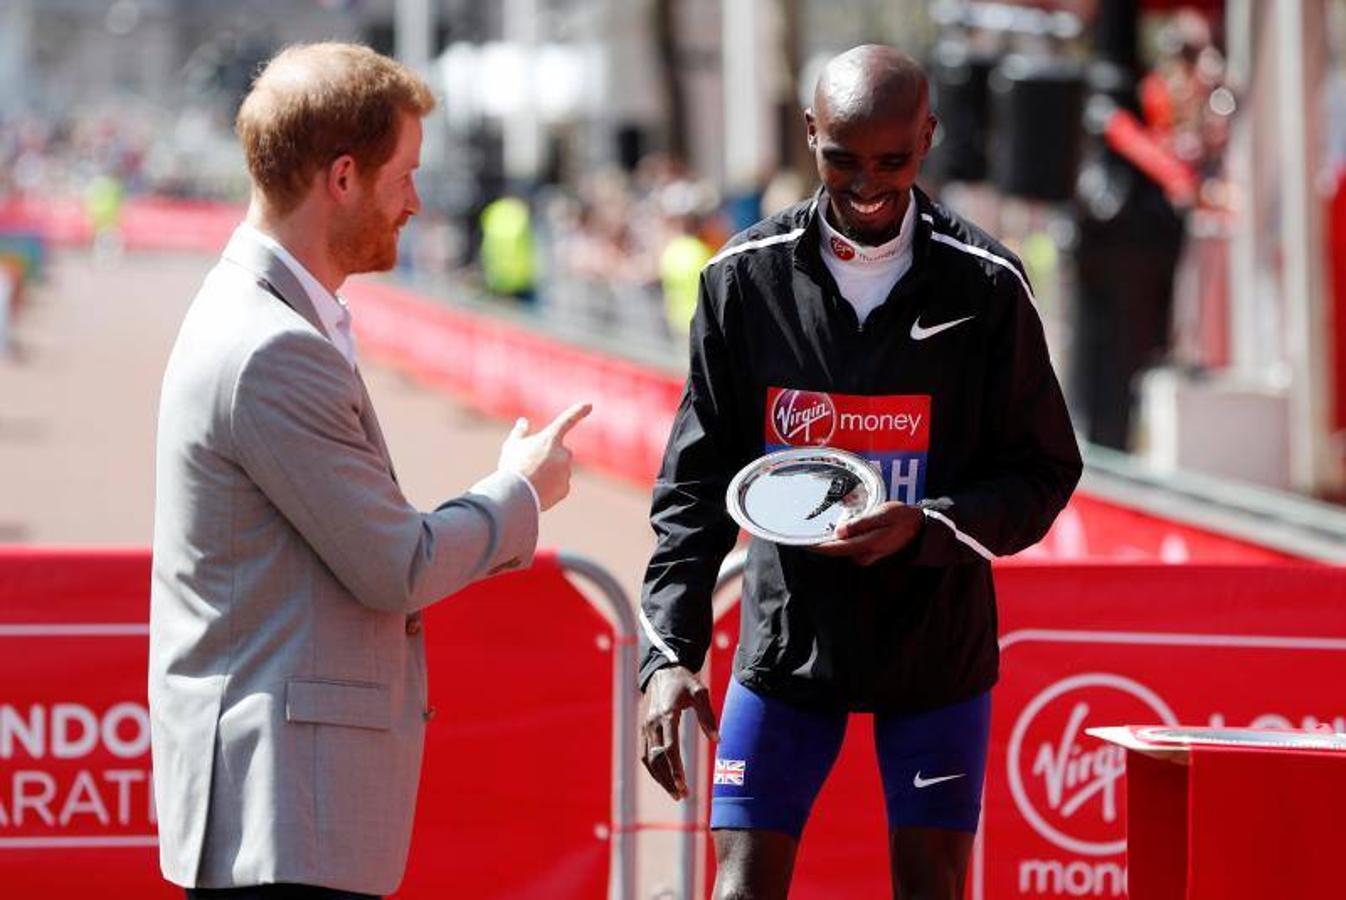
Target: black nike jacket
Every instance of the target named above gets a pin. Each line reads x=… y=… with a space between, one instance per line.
x=948 y=385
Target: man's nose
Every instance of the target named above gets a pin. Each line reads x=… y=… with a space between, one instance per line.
x=413 y=201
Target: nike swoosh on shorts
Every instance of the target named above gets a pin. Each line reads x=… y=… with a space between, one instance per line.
x=926 y=782
x=919 y=334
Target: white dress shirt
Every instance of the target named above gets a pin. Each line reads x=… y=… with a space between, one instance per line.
x=331 y=309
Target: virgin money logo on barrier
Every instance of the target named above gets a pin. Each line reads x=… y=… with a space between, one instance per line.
x=1069 y=787
x=803 y=418
x=843 y=250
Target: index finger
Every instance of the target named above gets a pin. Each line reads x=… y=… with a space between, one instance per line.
x=705 y=714
x=561 y=425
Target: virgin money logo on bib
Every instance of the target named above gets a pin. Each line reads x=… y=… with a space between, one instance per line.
x=802 y=418
x=891 y=431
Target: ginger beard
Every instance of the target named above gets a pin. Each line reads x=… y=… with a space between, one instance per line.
x=363 y=235
x=366 y=240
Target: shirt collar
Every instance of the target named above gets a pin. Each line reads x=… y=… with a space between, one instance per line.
x=331 y=309
x=852 y=253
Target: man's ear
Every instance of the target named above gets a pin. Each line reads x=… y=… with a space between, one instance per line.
x=341 y=177
x=928 y=134
x=810 y=128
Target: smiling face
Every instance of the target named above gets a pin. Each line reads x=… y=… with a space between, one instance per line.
x=364 y=238
x=870 y=128
x=867 y=166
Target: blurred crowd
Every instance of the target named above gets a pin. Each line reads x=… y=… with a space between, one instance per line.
x=616 y=253
x=626 y=250
x=619 y=252
x=1186 y=105
x=60 y=156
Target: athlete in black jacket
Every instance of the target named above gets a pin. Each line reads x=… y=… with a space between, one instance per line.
x=947 y=384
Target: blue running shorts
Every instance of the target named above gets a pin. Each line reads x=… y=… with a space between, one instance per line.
x=773 y=758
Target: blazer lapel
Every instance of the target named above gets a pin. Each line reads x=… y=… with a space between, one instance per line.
x=246 y=251
x=277 y=278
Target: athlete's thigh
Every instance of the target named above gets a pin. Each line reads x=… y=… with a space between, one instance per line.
x=933 y=764
x=770 y=763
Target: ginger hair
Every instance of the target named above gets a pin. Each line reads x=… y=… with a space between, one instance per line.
x=313 y=103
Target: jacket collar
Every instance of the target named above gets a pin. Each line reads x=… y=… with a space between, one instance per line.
x=272 y=273
x=277 y=279
x=808 y=249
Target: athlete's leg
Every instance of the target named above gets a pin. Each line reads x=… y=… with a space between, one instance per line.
x=933 y=764
x=753 y=864
x=929 y=863
x=770 y=763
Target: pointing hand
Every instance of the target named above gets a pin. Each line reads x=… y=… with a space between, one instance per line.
x=542 y=457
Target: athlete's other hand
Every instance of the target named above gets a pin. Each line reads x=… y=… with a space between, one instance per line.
x=670 y=691
x=869 y=538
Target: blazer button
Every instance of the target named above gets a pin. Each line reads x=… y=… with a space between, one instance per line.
x=430 y=713
x=413 y=624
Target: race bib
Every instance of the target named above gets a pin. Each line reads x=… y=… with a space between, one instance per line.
x=891 y=431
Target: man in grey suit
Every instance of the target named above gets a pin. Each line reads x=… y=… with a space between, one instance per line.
x=287 y=671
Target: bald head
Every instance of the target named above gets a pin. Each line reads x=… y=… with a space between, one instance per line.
x=871 y=81
x=869 y=129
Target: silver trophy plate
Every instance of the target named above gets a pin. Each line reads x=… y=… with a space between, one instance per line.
x=799 y=496
x=1245 y=737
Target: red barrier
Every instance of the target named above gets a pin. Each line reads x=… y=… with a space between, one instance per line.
x=75 y=794
x=515 y=798
x=516 y=795
x=1084 y=646
x=147 y=223
x=509 y=371
x=60 y=220
x=194 y=226
x=1090 y=529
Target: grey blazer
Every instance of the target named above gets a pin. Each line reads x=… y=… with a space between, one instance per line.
x=287 y=685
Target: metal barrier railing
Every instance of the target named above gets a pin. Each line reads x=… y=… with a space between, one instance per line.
x=622 y=883
x=693 y=745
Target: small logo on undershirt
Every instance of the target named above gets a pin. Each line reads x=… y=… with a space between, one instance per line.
x=844 y=251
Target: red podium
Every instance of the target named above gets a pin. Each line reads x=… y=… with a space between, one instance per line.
x=1232 y=813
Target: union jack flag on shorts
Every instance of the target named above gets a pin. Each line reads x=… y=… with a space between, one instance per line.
x=730 y=771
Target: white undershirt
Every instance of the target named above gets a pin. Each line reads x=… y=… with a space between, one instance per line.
x=867 y=277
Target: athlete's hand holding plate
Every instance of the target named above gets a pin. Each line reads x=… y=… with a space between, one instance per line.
x=799 y=496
